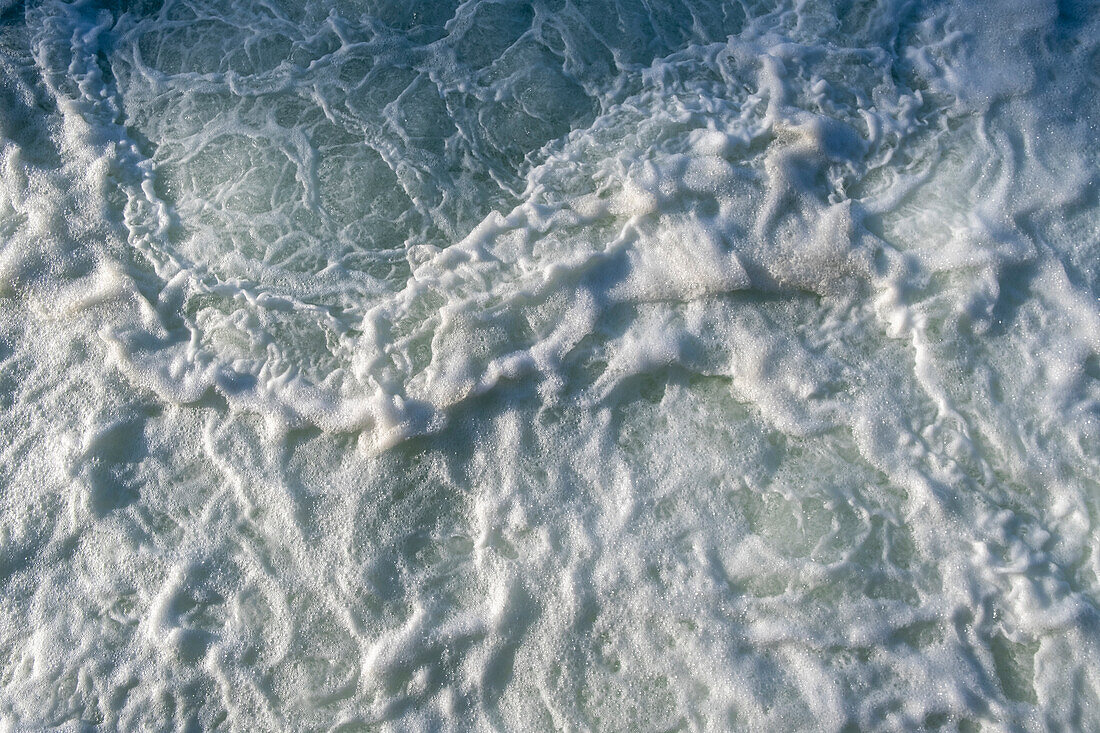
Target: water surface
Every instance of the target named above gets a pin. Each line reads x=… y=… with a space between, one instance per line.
x=551 y=365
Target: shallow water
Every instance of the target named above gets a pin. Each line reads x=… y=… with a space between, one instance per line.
x=580 y=365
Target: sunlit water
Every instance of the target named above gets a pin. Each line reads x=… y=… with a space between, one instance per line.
x=551 y=365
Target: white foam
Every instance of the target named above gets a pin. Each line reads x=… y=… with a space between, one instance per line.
x=592 y=366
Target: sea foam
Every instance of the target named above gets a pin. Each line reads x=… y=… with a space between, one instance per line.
x=549 y=365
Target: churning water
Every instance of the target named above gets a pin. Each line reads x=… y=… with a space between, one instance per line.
x=549 y=364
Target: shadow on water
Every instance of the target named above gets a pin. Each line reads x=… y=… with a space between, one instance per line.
x=1015 y=291
x=13 y=13
x=112 y=460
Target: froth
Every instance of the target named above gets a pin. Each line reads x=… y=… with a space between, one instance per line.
x=541 y=365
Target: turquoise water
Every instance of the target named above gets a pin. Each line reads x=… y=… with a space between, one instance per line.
x=554 y=365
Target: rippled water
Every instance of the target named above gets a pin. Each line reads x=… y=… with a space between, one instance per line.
x=556 y=364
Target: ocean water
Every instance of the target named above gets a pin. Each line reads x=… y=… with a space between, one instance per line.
x=586 y=365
